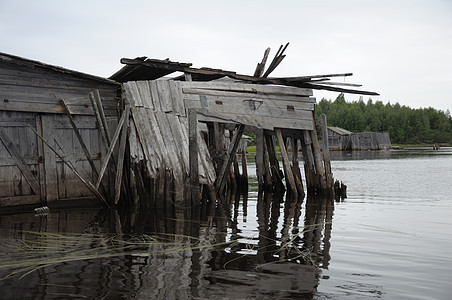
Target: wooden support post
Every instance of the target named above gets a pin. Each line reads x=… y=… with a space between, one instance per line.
x=276 y=173
x=296 y=168
x=308 y=158
x=323 y=140
x=244 y=176
x=221 y=176
x=260 y=155
x=122 y=148
x=20 y=162
x=286 y=165
x=268 y=185
x=193 y=155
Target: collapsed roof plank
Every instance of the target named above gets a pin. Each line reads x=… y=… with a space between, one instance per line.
x=150 y=69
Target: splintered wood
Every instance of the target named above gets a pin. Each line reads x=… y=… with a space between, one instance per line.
x=158 y=135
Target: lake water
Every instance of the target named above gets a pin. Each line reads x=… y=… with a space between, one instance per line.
x=390 y=239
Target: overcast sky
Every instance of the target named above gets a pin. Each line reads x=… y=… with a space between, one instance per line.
x=400 y=49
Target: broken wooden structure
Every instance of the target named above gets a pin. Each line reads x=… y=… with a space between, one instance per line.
x=40 y=106
x=140 y=136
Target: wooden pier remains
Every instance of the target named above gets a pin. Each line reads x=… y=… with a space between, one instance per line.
x=141 y=137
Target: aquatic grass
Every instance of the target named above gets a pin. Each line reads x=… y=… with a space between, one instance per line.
x=37 y=250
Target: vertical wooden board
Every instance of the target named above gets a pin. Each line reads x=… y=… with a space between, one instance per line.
x=155 y=139
x=51 y=182
x=145 y=93
x=177 y=98
x=155 y=95
x=183 y=129
x=134 y=94
x=40 y=153
x=164 y=95
x=175 y=138
x=136 y=150
x=170 y=145
x=206 y=160
x=140 y=120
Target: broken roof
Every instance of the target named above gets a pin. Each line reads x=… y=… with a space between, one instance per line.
x=142 y=68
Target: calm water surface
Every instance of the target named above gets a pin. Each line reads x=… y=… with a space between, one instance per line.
x=390 y=239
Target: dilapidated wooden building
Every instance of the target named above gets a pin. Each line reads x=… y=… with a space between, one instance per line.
x=30 y=100
x=68 y=135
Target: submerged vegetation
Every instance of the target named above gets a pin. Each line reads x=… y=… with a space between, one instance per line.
x=36 y=250
x=404 y=124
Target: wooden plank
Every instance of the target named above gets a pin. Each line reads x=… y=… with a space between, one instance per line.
x=156 y=139
x=53 y=108
x=230 y=154
x=255 y=108
x=80 y=139
x=40 y=154
x=274 y=164
x=171 y=152
x=155 y=95
x=20 y=200
x=9 y=161
x=242 y=95
x=122 y=149
x=193 y=155
x=267 y=123
x=70 y=165
x=136 y=149
x=176 y=135
x=260 y=157
x=261 y=66
x=100 y=123
x=140 y=121
x=101 y=112
x=21 y=164
x=110 y=150
x=177 y=98
x=134 y=94
x=246 y=87
x=50 y=167
x=145 y=94
x=164 y=95
x=286 y=165
x=296 y=168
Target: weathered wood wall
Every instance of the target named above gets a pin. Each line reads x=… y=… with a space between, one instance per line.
x=30 y=94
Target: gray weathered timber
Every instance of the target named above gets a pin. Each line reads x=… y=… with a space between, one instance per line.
x=79 y=137
x=21 y=164
x=230 y=154
x=110 y=149
x=193 y=155
x=71 y=166
x=122 y=149
x=286 y=165
x=246 y=87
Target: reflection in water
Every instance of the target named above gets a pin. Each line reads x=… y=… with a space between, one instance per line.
x=180 y=254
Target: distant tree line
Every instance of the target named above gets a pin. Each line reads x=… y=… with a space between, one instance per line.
x=404 y=124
